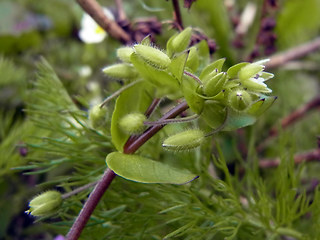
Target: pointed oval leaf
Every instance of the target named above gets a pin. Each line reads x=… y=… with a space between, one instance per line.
x=189 y=86
x=145 y=170
x=134 y=99
x=177 y=65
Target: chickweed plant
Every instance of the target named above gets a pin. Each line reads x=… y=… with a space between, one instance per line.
x=155 y=147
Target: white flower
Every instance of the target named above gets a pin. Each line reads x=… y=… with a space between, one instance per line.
x=90 y=31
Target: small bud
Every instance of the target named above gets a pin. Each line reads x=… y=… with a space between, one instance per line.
x=45 y=204
x=182 y=40
x=215 y=85
x=209 y=76
x=184 y=140
x=234 y=70
x=124 y=54
x=249 y=71
x=193 y=59
x=121 y=71
x=153 y=56
x=239 y=99
x=132 y=123
x=97 y=116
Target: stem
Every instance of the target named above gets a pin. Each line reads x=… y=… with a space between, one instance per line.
x=141 y=139
x=290 y=119
x=118 y=92
x=121 y=13
x=109 y=175
x=175 y=120
x=93 y=8
x=77 y=190
x=90 y=205
x=294 y=53
x=177 y=14
x=193 y=76
x=313 y=155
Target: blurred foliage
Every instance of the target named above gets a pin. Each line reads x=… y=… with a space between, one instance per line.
x=42 y=146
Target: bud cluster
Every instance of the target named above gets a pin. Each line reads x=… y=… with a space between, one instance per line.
x=233 y=98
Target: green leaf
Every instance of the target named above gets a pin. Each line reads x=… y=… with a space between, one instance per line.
x=177 y=65
x=145 y=170
x=189 y=86
x=262 y=105
x=165 y=83
x=133 y=100
x=238 y=120
x=213 y=113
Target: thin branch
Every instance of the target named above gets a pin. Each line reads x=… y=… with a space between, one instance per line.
x=93 y=8
x=121 y=13
x=310 y=156
x=90 y=205
x=174 y=120
x=177 y=14
x=291 y=119
x=141 y=139
x=78 y=190
x=118 y=92
x=293 y=53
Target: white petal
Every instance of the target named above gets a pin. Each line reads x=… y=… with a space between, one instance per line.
x=89 y=36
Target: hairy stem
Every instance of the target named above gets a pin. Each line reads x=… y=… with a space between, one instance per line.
x=93 y=8
x=90 y=205
x=109 y=175
x=78 y=190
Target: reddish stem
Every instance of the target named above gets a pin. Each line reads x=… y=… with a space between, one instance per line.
x=313 y=155
x=109 y=175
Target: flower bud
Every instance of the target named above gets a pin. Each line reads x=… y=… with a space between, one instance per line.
x=249 y=71
x=239 y=99
x=234 y=70
x=97 y=116
x=182 y=40
x=132 y=123
x=121 y=71
x=124 y=54
x=153 y=56
x=215 y=85
x=184 y=140
x=45 y=204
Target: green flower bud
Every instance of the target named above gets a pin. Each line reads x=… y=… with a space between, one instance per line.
x=256 y=85
x=185 y=140
x=153 y=56
x=121 y=71
x=239 y=99
x=234 y=70
x=45 y=204
x=193 y=59
x=132 y=123
x=215 y=85
x=182 y=40
x=97 y=116
x=215 y=66
x=124 y=54
x=250 y=70
x=209 y=76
